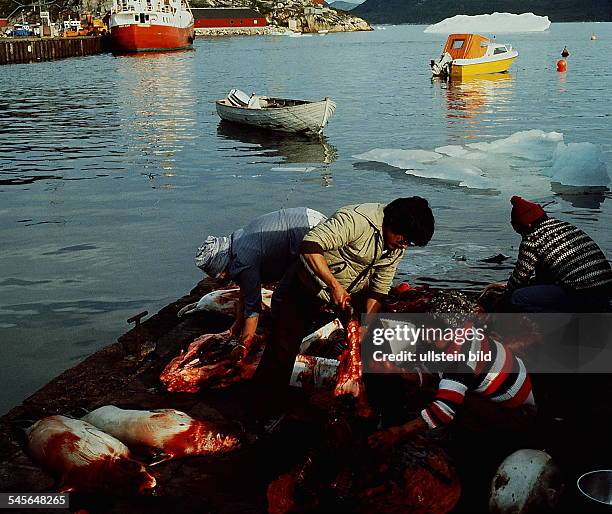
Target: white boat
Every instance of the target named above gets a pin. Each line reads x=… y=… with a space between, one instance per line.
x=280 y=114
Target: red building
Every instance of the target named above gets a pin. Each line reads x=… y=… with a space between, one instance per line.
x=231 y=17
x=3 y=22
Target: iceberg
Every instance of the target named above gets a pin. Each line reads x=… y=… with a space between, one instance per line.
x=403 y=159
x=452 y=150
x=532 y=145
x=498 y=22
x=463 y=174
x=578 y=164
x=425 y=164
x=516 y=164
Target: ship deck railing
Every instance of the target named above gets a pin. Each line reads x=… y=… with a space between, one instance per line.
x=143 y=7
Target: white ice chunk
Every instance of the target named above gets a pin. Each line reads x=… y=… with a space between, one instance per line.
x=522 y=163
x=304 y=169
x=463 y=174
x=533 y=145
x=498 y=22
x=579 y=164
x=459 y=152
x=404 y=159
x=426 y=164
x=452 y=150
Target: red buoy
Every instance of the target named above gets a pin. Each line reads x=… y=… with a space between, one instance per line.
x=561 y=65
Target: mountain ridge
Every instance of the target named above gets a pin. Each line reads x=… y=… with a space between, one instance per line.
x=433 y=11
x=343 y=6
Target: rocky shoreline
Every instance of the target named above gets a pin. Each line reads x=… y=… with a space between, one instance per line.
x=313 y=24
x=290 y=17
x=248 y=31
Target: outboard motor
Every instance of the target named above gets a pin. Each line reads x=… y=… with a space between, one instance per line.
x=442 y=67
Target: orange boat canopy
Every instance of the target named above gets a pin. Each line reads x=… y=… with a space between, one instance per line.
x=466 y=46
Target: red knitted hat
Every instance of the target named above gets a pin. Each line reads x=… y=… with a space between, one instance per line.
x=524 y=212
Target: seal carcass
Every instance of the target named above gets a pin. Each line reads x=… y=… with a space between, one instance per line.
x=85 y=458
x=170 y=431
x=213 y=361
x=224 y=301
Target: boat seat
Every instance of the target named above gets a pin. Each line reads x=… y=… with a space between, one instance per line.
x=238 y=98
x=254 y=102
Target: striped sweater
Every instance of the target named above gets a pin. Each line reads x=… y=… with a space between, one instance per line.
x=503 y=379
x=559 y=253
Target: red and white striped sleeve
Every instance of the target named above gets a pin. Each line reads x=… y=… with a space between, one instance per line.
x=450 y=395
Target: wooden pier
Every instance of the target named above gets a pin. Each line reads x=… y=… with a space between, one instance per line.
x=26 y=50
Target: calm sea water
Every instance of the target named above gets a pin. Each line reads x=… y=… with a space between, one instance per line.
x=113 y=169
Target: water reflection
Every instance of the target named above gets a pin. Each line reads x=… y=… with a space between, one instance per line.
x=562 y=81
x=582 y=197
x=157 y=105
x=471 y=101
x=53 y=130
x=292 y=148
x=153 y=54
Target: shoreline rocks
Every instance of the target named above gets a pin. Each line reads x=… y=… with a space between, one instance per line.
x=292 y=19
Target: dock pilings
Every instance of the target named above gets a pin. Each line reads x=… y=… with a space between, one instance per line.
x=27 y=50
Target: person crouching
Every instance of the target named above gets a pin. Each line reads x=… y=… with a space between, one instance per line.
x=265 y=250
x=559 y=268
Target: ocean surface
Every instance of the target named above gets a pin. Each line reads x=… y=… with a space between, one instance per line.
x=114 y=169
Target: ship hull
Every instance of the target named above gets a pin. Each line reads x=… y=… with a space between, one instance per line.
x=150 y=38
x=462 y=68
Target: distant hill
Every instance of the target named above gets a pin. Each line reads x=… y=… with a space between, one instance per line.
x=433 y=11
x=343 y=6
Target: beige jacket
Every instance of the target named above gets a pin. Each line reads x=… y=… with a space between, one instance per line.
x=353 y=246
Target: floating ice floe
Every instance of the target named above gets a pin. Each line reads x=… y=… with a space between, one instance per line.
x=578 y=164
x=518 y=162
x=302 y=169
x=498 y=22
x=424 y=164
x=533 y=145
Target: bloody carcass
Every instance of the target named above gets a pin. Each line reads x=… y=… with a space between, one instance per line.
x=350 y=379
x=223 y=301
x=218 y=360
x=85 y=458
x=212 y=361
x=170 y=432
x=404 y=298
x=342 y=475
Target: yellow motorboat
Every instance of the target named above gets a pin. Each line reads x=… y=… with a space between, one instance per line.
x=466 y=55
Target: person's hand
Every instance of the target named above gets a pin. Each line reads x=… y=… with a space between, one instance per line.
x=242 y=349
x=495 y=286
x=247 y=342
x=340 y=297
x=351 y=386
x=236 y=329
x=390 y=436
x=385 y=439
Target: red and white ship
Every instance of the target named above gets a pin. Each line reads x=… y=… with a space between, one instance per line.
x=151 y=25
